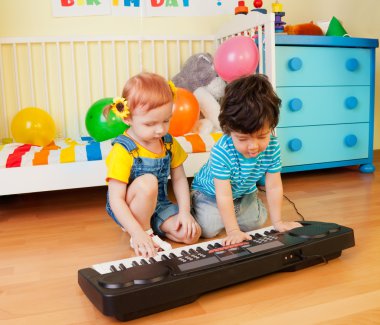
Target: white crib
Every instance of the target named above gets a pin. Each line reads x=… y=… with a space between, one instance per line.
x=65 y=75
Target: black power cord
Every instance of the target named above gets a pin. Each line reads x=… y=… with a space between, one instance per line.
x=290 y=201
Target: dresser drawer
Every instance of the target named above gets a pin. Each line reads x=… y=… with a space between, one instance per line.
x=325 y=143
x=324 y=105
x=318 y=66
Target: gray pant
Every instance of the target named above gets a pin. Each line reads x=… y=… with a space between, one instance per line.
x=250 y=213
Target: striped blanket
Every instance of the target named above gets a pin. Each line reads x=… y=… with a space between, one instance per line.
x=85 y=149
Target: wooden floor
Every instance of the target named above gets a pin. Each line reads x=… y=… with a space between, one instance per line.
x=46 y=237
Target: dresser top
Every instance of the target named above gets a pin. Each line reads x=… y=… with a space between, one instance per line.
x=332 y=41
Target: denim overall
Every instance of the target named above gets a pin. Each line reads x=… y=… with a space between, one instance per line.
x=159 y=167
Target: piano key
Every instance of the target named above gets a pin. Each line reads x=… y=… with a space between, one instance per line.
x=184 y=253
x=122 y=267
x=143 y=262
x=134 y=263
x=192 y=251
x=217 y=245
x=152 y=260
x=104 y=268
x=210 y=246
x=113 y=268
x=164 y=257
x=201 y=250
x=172 y=255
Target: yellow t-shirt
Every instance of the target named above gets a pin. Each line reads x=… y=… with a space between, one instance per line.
x=119 y=161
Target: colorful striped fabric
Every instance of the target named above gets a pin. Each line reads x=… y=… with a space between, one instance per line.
x=68 y=150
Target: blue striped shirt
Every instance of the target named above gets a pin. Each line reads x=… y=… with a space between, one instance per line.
x=226 y=162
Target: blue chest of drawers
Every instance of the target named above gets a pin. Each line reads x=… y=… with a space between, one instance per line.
x=327 y=89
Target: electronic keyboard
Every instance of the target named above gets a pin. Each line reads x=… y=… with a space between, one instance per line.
x=135 y=287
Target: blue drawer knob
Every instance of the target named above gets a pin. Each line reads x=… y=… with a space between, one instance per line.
x=352 y=64
x=295 y=64
x=295 y=104
x=350 y=140
x=295 y=144
x=351 y=102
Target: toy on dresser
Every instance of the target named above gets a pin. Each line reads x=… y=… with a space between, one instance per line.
x=198 y=76
x=303 y=29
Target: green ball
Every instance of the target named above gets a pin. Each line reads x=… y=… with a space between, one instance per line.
x=100 y=127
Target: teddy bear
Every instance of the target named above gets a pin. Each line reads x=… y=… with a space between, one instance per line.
x=198 y=76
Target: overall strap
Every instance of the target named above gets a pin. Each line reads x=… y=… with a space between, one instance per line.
x=168 y=142
x=126 y=142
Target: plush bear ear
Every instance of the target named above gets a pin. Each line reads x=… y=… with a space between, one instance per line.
x=206 y=56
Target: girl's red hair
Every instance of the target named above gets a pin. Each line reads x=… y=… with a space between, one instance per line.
x=146 y=91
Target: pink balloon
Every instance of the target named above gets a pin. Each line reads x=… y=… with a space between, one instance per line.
x=236 y=57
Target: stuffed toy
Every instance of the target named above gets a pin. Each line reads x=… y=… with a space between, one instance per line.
x=303 y=29
x=198 y=76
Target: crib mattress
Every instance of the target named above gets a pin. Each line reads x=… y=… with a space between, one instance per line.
x=85 y=149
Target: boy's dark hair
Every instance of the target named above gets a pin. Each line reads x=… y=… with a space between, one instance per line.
x=248 y=104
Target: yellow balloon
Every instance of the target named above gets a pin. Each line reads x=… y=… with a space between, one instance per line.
x=33 y=126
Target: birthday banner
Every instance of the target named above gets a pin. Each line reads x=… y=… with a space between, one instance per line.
x=147 y=8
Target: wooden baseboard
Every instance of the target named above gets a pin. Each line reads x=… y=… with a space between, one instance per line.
x=376 y=155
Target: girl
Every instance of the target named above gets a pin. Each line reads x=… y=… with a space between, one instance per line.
x=139 y=165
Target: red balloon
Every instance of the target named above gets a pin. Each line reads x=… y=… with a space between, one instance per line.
x=185 y=113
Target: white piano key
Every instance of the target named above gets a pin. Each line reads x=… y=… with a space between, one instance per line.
x=104 y=268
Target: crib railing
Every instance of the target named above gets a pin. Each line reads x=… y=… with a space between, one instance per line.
x=65 y=75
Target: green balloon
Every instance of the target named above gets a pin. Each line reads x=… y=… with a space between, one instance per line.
x=100 y=127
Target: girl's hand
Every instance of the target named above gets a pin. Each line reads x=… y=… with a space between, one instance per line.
x=234 y=237
x=282 y=226
x=143 y=245
x=188 y=223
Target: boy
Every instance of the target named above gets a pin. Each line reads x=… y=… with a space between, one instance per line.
x=224 y=191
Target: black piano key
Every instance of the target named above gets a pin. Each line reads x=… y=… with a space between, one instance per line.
x=113 y=268
x=200 y=250
x=209 y=246
x=143 y=262
x=134 y=263
x=122 y=267
x=184 y=253
x=152 y=260
x=266 y=232
x=257 y=235
x=192 y=251
x=273 y=231
x=164 y=257
x=172 y=255
x=217 y=245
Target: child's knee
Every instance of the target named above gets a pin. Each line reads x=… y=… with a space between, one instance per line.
x=146 y=185
x=188 y=240
x=210 y=233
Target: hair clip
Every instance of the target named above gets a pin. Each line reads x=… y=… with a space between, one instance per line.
x=120 y=107
x=173 y=88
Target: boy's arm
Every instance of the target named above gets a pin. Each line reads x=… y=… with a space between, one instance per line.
x=274 y=194
x=225 y=204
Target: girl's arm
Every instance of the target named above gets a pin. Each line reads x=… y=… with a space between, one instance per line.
x=274 y=194
x=117 y=196
x=181 y=188
x=226 y=209
x=182 y=195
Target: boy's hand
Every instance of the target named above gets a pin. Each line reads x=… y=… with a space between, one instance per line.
x=143 y=244
x=234 y=237
x=282 y=226
x=186 y=220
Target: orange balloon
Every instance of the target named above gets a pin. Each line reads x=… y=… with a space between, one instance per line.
x=185 y=113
